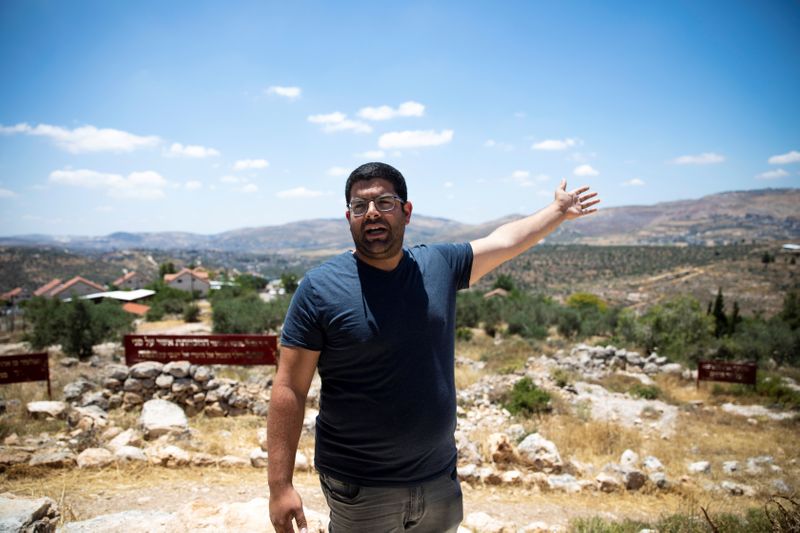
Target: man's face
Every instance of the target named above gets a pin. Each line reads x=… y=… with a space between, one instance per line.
x=378 y=235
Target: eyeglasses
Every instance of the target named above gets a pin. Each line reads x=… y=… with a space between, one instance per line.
x=384 y=203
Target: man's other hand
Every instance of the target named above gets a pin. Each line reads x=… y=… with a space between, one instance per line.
x=284 y=506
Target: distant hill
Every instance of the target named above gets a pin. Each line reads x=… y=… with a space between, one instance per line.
x=766 y=214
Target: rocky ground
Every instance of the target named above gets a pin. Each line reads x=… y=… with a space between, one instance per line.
x=181 y=447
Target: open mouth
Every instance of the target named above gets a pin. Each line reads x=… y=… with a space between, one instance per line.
x=376 y=232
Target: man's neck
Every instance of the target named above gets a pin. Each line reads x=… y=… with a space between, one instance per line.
x=387 y=264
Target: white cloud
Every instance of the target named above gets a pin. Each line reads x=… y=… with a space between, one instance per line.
x=585 y=170
x=449 y=184
x=250 y=187
x=292 y=93
x=384 y=112
x=707 y=158
x=491 y=143
x=520 y=174
x=785 y=159
x=772 y=174
x=338 y=171
x=144 y=185
x=86 y=138
x=298 y=192
x=104 y=209
x=336 y=121
x=231 y=179
x=246 y=164
x=635 y=182
x=193 y=185
x=6 y=193
x=552 y=145
x=414 y=139
x=191 y=150
x=522 y=178
x=372 y=154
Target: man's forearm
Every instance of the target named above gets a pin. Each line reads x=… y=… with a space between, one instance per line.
x=513 y=238
x=284 y=424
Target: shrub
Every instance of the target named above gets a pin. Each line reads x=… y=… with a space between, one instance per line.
x=464 y=334
x=191 y=313
x=648 y=392
x=527 y=399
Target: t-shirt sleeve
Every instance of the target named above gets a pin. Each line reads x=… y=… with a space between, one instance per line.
x=459 y=257
x=302 y=327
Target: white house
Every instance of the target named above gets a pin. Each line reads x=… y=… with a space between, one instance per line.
x=131 y=281
x=189 y=280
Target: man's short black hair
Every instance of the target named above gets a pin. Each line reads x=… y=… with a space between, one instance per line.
x=375 y=170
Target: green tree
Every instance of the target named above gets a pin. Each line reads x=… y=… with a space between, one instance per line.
x=289 y=282
x=505 y=282
x=678 y=328
x=790 y=313
x=79 y=335
x=718 y=312
x=46 y=317
x=166 y=268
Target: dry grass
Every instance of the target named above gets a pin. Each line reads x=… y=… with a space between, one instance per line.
x=590 y=441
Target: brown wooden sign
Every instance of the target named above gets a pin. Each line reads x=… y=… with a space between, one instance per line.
x=727 y=372
x=202 y=349
x=22 y=368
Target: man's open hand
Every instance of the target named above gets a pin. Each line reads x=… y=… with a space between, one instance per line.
x=575 y=203
x=284 y=506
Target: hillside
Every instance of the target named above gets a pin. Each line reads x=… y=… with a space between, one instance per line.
x=762 y=215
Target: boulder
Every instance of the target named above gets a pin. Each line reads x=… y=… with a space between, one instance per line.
x=126 y=522
x=146 y=369
x=261 y=437
x=117 y=372
x=129 y=437
x=171 y=456
x=512 y=477
x=10 y=457
x=74 y=390
x=203 y=459
x=232 y=461
x=729 y=467
x=629 y=459
x=25 y=515
x=607 y=483
x=700 y=467
x=659 y=479
x=130 y=453
x=164 y=381
x=672 y=368
x=564 y=482
x=468 y=473
x=483 y=523
x=53 y=458
x=652 y=464
x=202 y=374
x=48 y=409
x=160 y=417
x=259 y=458
x=94 y=458
x=178 y=369
x=540 y=453
x=132 y=385
x=499 y=449
x=634 y=479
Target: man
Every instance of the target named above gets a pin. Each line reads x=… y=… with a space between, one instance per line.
x=378 y=324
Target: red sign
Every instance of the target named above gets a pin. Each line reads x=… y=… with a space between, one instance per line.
x=202 y=349
x=25 y=367
x=727 y=372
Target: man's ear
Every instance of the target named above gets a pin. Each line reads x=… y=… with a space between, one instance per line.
x=407 y=208
x=347 y=215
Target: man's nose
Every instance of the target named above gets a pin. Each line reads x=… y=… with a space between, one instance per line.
x=372 y=210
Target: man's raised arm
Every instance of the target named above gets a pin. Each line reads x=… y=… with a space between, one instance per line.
x=510 y=240
x=287 y=403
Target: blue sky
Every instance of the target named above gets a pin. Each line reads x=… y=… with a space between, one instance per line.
x=210 y=116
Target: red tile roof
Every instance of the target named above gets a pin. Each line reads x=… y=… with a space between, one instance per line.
x=124 y=278
x=45 y=289
x=13 y=293
x=199 y=274
x=136 y=309
x=73 y=281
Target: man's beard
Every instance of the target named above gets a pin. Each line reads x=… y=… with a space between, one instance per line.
x=387 y=245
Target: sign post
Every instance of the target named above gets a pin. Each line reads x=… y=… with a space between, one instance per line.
x=22 y=368
x=202 y=349
x=727 y=372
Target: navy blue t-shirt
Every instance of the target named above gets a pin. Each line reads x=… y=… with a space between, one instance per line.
x=388 y=403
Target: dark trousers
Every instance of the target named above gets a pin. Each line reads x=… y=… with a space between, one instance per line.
x=435 y=506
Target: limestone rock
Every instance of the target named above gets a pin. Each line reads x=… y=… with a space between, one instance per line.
x=24 y=515
x=146 y=369
x=117 y=372
x=11 y=456
x=178 y=369
x=512 y=477
x=607 y=483
x=48 y=409
x=634 y=479
x=74 y=390
x=160 y=417
x=203 y=459
x=652 y=464
x=564 y=482
x=700 y=467
x=231 y=461
x=540 y=453
x=171 y=456
x=629 y=459
x=53 y=458
x=129 y=437
x=130 y=453
x=202 y=374
x=126 y=522
x=499 y=449
x=164 y=381
x=259 y=458
x=261 y=436
x=483 y=523
x=94 y=458
x=659 y=479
